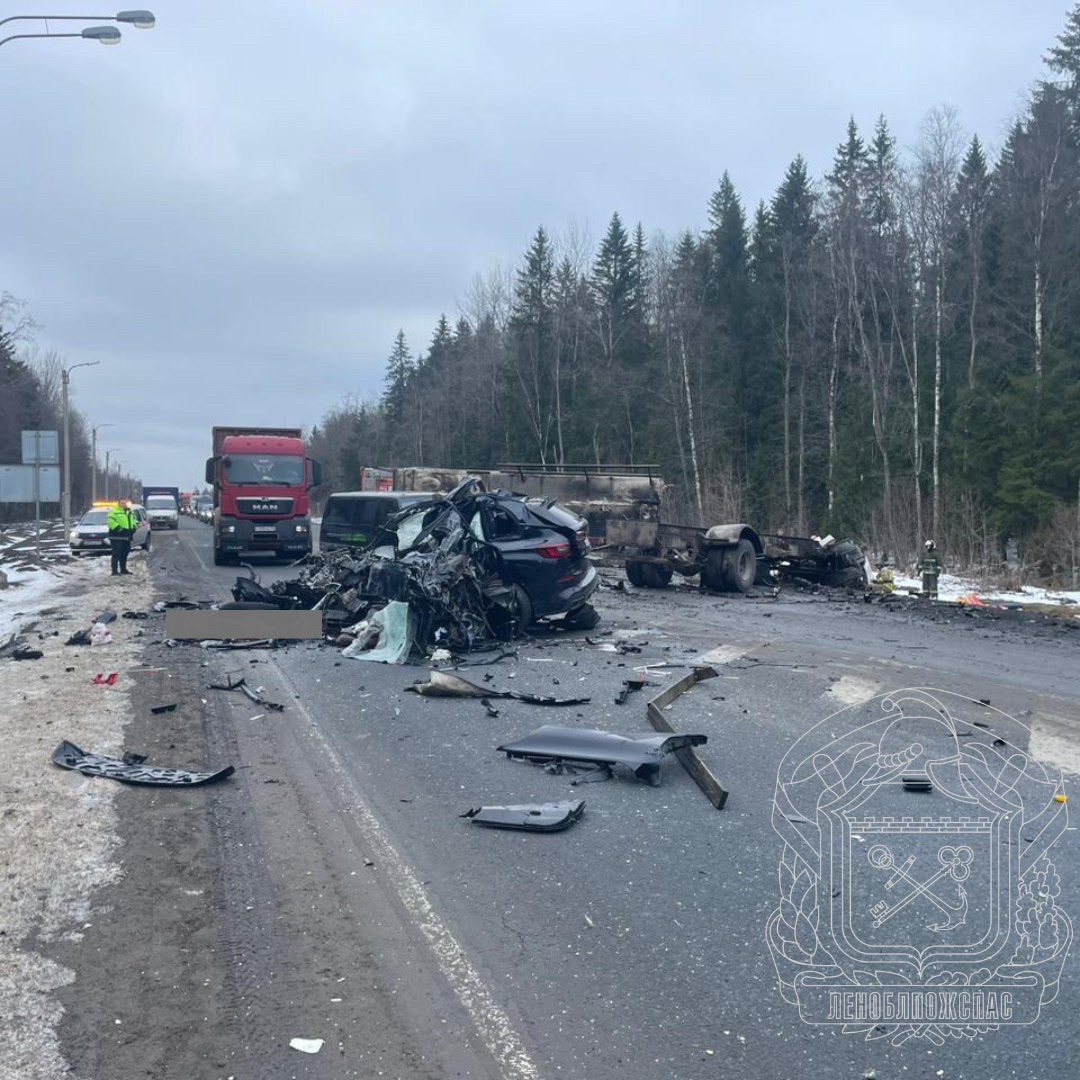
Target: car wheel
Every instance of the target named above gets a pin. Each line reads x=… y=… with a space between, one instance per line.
x=740 y=567
x=634 y=574
x=523 y=609
x=146 y=543
x=585 y=617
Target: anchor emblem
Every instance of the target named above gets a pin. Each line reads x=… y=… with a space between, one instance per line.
x=955 y=865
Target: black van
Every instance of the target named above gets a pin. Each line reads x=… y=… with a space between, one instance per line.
x=352 y=518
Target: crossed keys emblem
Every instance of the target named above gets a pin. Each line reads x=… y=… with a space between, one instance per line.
x=955 y=865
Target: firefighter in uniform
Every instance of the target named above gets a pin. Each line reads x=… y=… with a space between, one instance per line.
x=930 y=568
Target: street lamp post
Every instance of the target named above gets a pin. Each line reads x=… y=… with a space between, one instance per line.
x=113 y=450
x=106 y=35
x=93 y=460
x=65 y=495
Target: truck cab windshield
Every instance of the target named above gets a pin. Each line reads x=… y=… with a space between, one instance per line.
x=264 y=469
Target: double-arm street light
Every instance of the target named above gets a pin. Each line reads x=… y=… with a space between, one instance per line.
x=93 y=459
x=106 y=35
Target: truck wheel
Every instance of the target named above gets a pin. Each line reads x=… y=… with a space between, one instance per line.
x=221 y=558
x=655 y=576
x=740 y=567
x=712 y=573
x=634 y=574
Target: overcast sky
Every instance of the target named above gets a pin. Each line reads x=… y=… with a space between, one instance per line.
x=235 y=212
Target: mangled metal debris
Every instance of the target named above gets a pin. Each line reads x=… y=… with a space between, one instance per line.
x=587 y=746
x=655 y=711
x=530 y=817
x=443 y=559
x=629 y=687
x=447 y=684
x=252 y=695
x=69 y=756
x=916 y=782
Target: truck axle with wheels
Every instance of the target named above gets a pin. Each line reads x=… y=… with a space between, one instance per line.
x=725 y=556
x=732 y=558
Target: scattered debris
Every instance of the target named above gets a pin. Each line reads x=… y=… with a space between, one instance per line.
x=916 y=782
x=531 y=817
x=588 y=746
x=446 y=684
x=629 y=686
x=252 y=695
x=26 y=653
x=158 y=709
x=101 y=679
x=306 y=1046
x=702 y=775
x=11 y=644
x=69 y=756
x=100 y=634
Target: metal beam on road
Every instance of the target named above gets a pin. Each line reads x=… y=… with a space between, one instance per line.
x=702 y=775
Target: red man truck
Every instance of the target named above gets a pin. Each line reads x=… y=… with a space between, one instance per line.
x=261 y=478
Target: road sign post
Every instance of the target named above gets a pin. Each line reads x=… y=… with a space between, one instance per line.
x=39 y=448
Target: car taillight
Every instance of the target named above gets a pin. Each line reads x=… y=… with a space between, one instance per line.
x=553 y=551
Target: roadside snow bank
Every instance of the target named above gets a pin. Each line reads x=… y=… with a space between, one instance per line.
x=951 y=587
x=58 y=830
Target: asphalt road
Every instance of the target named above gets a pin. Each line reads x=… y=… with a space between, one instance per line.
x=631 y=946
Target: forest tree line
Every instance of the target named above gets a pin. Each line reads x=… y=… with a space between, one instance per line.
x=891 y=351
x=30 y=400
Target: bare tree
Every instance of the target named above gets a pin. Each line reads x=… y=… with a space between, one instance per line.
x=937 y=161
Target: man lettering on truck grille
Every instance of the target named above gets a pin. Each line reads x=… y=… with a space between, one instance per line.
x=121 y=530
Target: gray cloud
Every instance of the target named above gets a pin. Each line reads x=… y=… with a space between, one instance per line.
x=236 y=211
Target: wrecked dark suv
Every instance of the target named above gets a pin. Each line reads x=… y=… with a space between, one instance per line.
x=538 y=547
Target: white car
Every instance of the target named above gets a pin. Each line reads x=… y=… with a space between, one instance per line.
x=91 y=534
x=162 y=512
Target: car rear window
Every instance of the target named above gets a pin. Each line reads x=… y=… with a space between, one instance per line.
x=358 y=513
x=556 y=514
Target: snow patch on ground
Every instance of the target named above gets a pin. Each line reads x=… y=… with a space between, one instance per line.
x=25 y=594
x=951 y=587
x=1053 y=740
x=57 y=829
x=852 y=690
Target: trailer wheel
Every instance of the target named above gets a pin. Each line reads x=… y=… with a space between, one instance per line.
x=634 y=574
x=655 y=576
x=712 y=573
x=740 y=567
